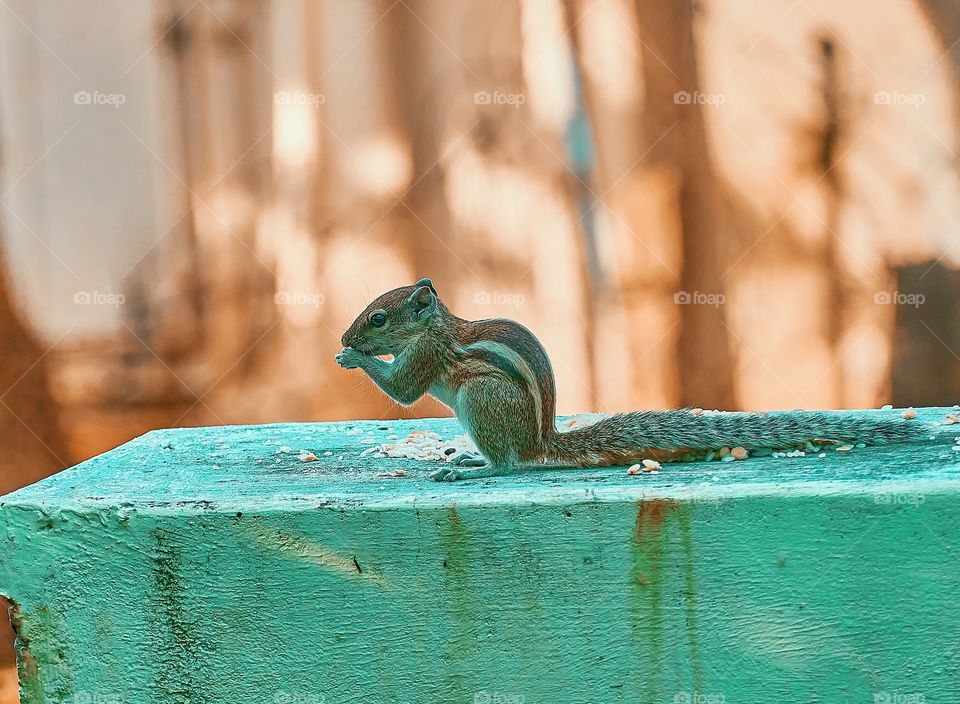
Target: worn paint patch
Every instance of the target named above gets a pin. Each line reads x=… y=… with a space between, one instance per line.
x=42 y=665
x=300 y=548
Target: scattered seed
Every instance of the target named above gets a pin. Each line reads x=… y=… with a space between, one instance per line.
x=399 y=473
x=634 y=469
x=307 y=457
x=844 y=448
x=650 y=465
x=739 y=453
x=886 y=407
x=697 y=411
x=909 y=413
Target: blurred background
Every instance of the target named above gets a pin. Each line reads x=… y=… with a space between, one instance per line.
x=722 y=203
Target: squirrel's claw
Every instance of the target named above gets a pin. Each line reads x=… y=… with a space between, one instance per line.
x=349 y=358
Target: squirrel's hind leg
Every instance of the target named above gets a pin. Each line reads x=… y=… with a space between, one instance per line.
x=495 y=412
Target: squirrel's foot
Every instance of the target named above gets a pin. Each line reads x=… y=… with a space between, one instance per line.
x=468 y=458
x=452 y=474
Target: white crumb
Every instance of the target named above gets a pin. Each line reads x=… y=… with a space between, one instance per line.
x=651 y=465
x=428 y=446
x=909 y=413
x=307 y=457
x=634 y=469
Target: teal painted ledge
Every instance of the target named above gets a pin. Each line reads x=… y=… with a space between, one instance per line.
x=191 y=566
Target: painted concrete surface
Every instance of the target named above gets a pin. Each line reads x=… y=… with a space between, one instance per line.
x=178 y=568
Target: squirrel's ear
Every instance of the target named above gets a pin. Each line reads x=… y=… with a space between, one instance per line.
x=425 y=282
x=424 y=302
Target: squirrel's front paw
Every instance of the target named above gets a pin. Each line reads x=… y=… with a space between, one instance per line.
x=349 y=358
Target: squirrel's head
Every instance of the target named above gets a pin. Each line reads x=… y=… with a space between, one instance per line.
x=393 y=320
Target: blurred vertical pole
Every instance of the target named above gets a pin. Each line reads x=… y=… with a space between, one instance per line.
x=670 y=70
x=634 y=214
x=659 y=200
x=225 y=108
x=33 y=444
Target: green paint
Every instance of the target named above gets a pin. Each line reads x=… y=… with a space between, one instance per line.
x=189 y=565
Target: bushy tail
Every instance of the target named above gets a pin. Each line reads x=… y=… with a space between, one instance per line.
x=628 y=437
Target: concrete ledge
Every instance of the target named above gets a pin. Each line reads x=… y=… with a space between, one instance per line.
x=178 y=568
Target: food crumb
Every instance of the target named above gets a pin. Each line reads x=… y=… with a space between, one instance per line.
x=307 y=457
x=650 y=465
x=634 y=469
x=696 y=411
x=739 y=453
x=844 y=448
x=909 y=413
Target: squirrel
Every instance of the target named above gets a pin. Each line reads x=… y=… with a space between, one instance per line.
x=496 y=377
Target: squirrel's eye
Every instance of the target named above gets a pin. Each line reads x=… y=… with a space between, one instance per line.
x=378 y=319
